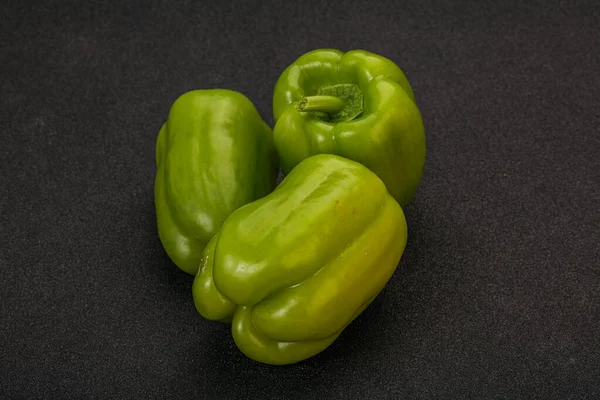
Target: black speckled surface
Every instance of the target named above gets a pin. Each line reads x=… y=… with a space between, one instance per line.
x=497 y=295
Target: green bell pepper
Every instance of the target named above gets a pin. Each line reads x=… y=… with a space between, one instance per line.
x=358 y=105
x=291 y=270
x=213 y=155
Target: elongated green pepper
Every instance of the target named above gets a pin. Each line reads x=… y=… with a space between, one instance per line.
x=213 y=155
x=358 y=105
x=291 y=270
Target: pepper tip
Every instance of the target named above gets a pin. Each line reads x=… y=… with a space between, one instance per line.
x=301 y=104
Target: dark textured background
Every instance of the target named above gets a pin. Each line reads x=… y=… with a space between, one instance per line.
x=497 y=295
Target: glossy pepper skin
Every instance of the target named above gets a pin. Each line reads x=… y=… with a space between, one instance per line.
x=213 y=155
x=373 y=118
x=294 y=268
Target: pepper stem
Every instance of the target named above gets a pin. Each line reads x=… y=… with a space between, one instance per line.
x=326 y=104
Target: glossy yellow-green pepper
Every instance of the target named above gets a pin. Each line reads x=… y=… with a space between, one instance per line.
x=213 y=154
x=291 y=270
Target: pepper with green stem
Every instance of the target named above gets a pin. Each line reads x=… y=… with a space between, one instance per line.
x=357 y=105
